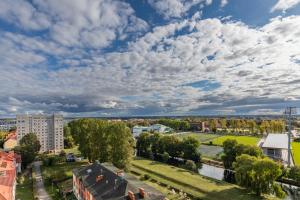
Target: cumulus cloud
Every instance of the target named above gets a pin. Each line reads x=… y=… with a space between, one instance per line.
x=175 y=8
x=212 y=66
x=85 y=23
x=284 y=5
x=224 y=3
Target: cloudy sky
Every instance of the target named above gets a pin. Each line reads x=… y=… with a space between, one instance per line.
x=149 y=57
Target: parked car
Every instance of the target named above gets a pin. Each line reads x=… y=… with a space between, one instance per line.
x=70 y=157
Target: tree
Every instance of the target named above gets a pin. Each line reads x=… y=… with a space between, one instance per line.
x=213 y=125
x=256 y=174
x=29 y=148
x=294 y=174
x=121 y=145
x=104 y=141
x=190 y=146
x=229 y=154
x=223 y=123
x=68 y=139
x=232 y=149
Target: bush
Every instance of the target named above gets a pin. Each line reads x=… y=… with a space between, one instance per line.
x=278 y=191
x=146 y=177
x=62 y=153
x=165 y=157
x=294 y=174
x=190 y=165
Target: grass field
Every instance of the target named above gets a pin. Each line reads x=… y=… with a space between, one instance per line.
x=202 y=137
x=24 y=191
x=189 y=182
x=296 y=152
x=247 y=140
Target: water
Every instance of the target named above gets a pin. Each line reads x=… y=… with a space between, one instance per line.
x=212 y=172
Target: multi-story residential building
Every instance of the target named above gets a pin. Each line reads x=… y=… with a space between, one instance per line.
x=49 y=130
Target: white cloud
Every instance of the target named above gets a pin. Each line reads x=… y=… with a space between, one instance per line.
x=284 y=5
x=257 y=67
x=175 y=8
x=224 y=3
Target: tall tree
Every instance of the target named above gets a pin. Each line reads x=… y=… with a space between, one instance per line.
x=29 y=148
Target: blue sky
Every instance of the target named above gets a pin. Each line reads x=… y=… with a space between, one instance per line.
x=149 y=57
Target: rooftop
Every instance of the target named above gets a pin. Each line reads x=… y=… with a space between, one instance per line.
x=276 y=141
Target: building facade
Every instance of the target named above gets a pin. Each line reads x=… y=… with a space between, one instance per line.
x=275 y=146
x=159 y=128
x=49 y=130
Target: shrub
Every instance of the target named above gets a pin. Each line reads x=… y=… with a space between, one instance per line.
x=165 y=157
x=190 y=165
x=62 y=153
x=278 y=191
x=146 y=177
x=294 y=174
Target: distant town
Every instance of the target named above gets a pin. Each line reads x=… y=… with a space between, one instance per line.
x=51 y=157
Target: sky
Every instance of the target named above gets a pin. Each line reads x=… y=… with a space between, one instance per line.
x=149 y=57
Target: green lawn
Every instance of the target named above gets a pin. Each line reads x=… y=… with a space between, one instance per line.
x=202 y=137
x=296 y=152
x=189 y=182
x=24 y=190
x=73 y=150
x=247 y=140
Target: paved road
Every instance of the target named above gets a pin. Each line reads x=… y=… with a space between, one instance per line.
x=41 y=192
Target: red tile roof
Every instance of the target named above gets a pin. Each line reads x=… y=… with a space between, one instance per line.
x=7 y=174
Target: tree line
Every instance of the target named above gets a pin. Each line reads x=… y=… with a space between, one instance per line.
x=251 y=126
x=104 y=141
x=168 y=148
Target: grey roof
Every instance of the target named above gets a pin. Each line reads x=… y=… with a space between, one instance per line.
x=276 y=141
x=112 y=187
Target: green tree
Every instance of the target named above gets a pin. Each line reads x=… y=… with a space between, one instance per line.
x=190 y=146
x=294 y=174
x=256 y=174
x=121 y=145
x=213 y=125
x=223 y=123
x=28 y=148
x=68 y=139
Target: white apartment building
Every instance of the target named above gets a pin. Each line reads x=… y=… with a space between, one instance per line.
x=49 y=130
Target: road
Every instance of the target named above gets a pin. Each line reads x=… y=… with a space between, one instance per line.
x=40 y=188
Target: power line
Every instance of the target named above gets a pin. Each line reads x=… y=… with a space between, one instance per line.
x=290 y=113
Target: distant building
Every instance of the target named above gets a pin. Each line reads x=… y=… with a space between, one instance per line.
x=10 y=141
x=7 y=124
x=275 y=146
x=137 y=130
x=49 y=130
x=10 y=165
x=106 y=182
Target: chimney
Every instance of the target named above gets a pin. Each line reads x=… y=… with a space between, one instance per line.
x=131 y=195
x=99 y=178
x=142 y=193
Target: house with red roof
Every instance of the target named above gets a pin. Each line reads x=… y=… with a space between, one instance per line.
x=10 y=163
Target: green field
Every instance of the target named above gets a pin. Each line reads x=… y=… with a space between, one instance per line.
x=24 y=190
x=296 y=152
x=189 y=182
x=202 y=137
x=247 y=140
